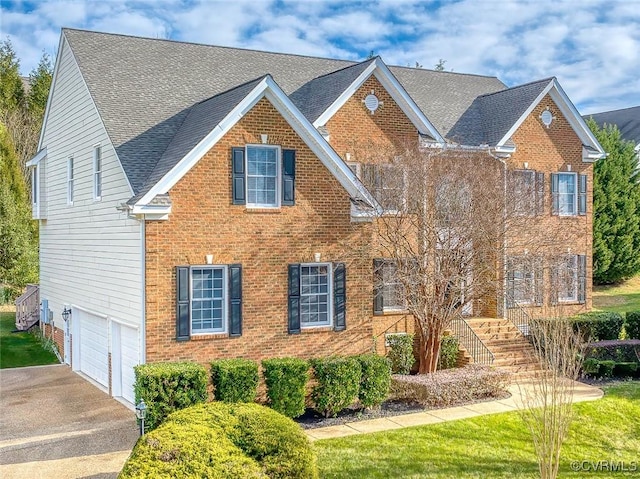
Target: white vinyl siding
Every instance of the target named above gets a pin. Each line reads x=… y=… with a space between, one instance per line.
x=91 y=254
x=97 y=172
x=70 y=180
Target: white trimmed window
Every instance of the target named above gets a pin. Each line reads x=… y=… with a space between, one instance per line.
x=70 y=174
x=263 y=176
x=389 y=291
x=208 y=299
x=97 y=172
x=567 y=279
x=35 y=185
x=567 y=194
x=388 y=184
x=315 y=295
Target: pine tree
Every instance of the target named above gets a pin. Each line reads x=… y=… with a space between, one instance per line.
x=12 y=94
x=616 y=206
x=39 y=85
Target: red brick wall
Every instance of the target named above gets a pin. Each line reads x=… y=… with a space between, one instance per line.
x=552 y=150
x=203 y=221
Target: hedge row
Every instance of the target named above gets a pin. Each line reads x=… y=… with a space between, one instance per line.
x=598 y=325
x=608 y=369
x=339 y=381
x=223 y=440
x=632 y=324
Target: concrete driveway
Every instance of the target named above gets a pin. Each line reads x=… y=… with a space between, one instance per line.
x=53 y=423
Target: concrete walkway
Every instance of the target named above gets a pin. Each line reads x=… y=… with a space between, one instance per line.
x=53 y=423
x=581 y=392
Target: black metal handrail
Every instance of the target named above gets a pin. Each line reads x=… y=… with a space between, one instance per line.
x=517 y=315
x=470 y=340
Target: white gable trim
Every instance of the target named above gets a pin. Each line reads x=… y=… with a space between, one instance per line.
x=270 y=90
x=41 y=155
x=382 y=73
x=569 y=111
x=61 y=44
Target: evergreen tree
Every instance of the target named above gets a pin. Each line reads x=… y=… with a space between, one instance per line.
x=18 y=244
x=39 y=85
x=616 y=207
x=11 y=89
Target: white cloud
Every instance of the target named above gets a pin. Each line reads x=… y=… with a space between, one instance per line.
x=592 y=46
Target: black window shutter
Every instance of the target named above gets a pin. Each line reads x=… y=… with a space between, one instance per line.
x=235 y=300
x=238 y=176
x=539 y=193
x=555 y=286
x=183 y=311
x=339 y=297
x=538 y=273
x=294 y=299
x=582 y=195
x=288 y=177
x=582 y=278
x=511 y=284
x=554 y=194
x=378 y=290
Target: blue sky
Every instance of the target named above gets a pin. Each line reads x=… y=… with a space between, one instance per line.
x=593 y=47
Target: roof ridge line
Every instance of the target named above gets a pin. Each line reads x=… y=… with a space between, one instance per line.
x=518 y=86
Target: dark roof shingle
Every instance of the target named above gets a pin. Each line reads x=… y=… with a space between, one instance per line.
x=627 y=120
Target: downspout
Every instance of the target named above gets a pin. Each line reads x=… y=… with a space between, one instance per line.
x=143 y=274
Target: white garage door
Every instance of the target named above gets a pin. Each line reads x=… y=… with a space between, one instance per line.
x=129 y=359
x=94 y=351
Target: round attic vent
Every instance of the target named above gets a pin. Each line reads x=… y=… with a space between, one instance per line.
x=546 y=117
x=371 y=102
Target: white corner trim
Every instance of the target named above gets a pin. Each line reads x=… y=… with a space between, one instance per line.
x=37 y=158
x=567 y=109
x=397 y=92
x=269 y=89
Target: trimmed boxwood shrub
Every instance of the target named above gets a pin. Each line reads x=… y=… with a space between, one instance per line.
x=337 y=383
x=448 y=352
x=626 y=350
x=606 y=368
x=234 y=380
x=591 y=367
x=625 y=370
x=375 y=380
x=632 y=325
x=598 y=325
x=286 y=379
x=400 y=352
x=167 y=387
x=222 y=440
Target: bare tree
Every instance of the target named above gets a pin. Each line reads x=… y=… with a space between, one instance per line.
x=440 y=229
x=548 y=394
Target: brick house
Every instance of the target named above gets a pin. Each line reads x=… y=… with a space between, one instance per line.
x=196 y=202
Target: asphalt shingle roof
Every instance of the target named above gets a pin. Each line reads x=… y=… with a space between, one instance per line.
x=490 y=116
x=626 y=119
x=314 y=97
x=145 y=89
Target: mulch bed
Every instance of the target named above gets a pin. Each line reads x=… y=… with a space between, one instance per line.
x=312 y=420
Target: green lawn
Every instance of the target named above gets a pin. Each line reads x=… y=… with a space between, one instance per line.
x=491 y=446
x=20 y=349
x=620 y=298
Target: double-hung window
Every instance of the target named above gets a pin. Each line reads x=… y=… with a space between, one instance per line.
x=524 y=281
x=97 y=172
x=208 y=294
x=262 y=176
x=569 y=192
x=389 y=292
x=208 y=300
x=569 y=279
x=35 y=192
x=528 y=192
x=388 y=184
x=315 y=295
x=70 y=180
